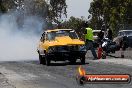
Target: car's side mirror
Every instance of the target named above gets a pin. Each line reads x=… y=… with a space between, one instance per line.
x=42 y=39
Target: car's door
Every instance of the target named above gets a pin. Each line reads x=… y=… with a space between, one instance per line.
x=118 y=38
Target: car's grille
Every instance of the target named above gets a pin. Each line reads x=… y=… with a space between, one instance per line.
x=67 y=48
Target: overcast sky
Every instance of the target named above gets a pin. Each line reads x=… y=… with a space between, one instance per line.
x=78 y=8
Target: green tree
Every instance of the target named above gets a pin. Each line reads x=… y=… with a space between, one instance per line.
x=75 y=23
x=110 y=13
x=51 y=10
x=57 y=9
x=6 y=5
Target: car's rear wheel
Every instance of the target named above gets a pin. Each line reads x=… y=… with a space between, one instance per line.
x=40 y=59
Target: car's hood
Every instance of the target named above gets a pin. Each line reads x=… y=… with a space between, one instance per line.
x=66 y=40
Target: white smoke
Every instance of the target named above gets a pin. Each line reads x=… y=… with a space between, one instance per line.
x=19 y=43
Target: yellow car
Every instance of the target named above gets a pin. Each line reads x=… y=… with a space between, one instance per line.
x=61 y=45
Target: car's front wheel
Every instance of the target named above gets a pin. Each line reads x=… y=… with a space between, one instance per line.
x=47 y=60
x=41 y=60
x=83 y=60
x=72 y=61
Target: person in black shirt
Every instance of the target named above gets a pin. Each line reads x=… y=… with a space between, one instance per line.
x=100 y=36
x=109 y=34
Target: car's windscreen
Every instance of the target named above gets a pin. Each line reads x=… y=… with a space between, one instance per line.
x=61 y=33
x=126 y=33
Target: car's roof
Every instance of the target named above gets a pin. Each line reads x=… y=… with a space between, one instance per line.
x=57 y=30
x=124 y=30
x=97 y=31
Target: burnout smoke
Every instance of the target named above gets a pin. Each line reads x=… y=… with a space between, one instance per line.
x=19 y=43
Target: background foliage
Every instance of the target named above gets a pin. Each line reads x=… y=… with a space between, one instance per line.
x=49 y=10
x=113 y=14
x=104 y=14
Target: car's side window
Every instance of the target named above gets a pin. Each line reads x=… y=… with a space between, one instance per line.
x=46 y=37
x=122 y=34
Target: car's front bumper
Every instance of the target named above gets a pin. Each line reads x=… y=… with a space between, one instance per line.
x=60 y=56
